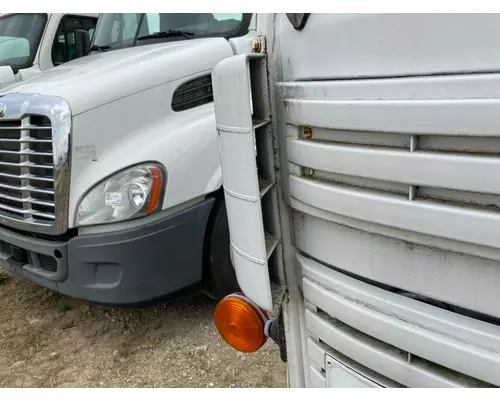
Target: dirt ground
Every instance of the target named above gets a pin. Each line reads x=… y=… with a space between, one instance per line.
x=49 y=340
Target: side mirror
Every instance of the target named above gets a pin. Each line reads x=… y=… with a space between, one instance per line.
x=82 y=42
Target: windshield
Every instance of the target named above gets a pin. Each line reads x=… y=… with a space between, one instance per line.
x=116 y=31
x=20 y=36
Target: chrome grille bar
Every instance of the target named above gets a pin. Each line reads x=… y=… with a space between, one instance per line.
x=23 y=127
x=25 y=152
x=25 y=140
x=26 y=147
x=26 y=176
x=25 y=188
x=26 y=164
x=31 y=212
x=28 y=199
x=34 y=162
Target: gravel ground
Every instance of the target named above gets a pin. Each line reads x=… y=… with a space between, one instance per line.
x=49 y=340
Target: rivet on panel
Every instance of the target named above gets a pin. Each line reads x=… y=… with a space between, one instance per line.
x=308 y=132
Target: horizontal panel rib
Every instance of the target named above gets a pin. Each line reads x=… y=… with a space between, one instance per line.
x=451 y=340
x=427 y=217
x=317 y=379
x=468 y=117
x=405 y=264
x=472 y=86
x=382 y=358
x=453 y=171
x=316 y=353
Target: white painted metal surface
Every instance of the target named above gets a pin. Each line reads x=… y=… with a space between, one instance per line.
x=340 y=376
x=399 y=165
x=92 y=81
x=144 y=127
x=427 y=217
x=436 y=335
x=393 y=200
x=381 y=45
x=397 y=185
x=236 y=127
x=122 y=114
x=185 y=143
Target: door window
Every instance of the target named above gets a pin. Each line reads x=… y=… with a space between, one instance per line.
x=64 y=47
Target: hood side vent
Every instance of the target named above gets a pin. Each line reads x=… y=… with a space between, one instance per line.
x=193 y=93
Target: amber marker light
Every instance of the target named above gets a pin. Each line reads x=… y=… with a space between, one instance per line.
x=240 y=323
x=155 y=190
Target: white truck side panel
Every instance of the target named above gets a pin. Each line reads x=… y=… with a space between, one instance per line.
x=389 y=201
x=340 y=46
x=397 y=186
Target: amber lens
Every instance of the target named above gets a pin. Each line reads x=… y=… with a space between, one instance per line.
x=240 y=324
x=155 y=190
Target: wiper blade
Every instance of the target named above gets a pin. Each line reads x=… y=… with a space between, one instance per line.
x=96 y=47
x=169 y=33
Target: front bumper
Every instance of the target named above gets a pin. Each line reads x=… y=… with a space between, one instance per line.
x=126 y=267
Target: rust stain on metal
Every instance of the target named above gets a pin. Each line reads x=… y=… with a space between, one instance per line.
x=308 y=172
x=308 y=132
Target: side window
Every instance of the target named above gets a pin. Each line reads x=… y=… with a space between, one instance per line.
x=64 y=47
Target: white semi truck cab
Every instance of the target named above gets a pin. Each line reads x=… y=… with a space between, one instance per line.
x=110 y=177
x=360 y=160
x=32 y=43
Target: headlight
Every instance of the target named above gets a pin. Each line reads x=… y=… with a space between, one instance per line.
x=128 y=194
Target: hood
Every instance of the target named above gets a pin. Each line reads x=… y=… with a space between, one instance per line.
x=101 y=78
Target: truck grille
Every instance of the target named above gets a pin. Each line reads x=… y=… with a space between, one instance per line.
x=46 y=262
x=26 y=170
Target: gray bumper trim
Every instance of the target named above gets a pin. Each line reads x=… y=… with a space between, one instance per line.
x=121 y=268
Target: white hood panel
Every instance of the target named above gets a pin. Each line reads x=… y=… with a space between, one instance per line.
x=101 y=78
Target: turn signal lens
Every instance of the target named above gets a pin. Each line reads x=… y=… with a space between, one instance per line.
x=240 y=323
x=156 y=177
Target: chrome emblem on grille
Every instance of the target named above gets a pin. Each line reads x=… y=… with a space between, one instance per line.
x=2 y=110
